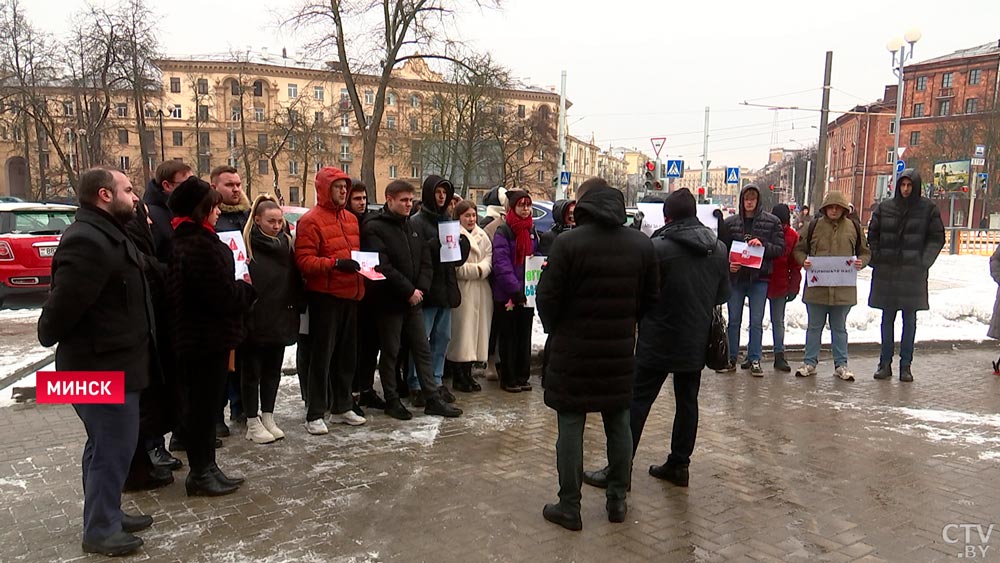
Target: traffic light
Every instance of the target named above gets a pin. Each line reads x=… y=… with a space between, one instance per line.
x=965 y=189
x=657 y=185
x=771 y=187
x=649 y=176
x=984 y=179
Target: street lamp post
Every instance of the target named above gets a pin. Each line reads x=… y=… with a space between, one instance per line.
x=897 y=46
x=159 y=115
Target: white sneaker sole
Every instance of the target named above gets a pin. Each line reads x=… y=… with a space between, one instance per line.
x=338 y=420
x=317 y=432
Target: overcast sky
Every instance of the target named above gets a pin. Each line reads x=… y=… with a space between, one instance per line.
x=645 y=68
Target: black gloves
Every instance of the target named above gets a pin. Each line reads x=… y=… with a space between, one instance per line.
x=519 y=298
x=791 y=297
x=346 y=265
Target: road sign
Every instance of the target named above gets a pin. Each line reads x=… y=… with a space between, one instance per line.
x=980 y=151
x=978 y=162
x=900 y=151
x=658 y=144
x=564 y=178
x=675 y=169
x=900 y=166
x=733 y=175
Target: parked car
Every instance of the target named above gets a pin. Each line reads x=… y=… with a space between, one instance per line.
x=29 y=235
x=541 y=214
x=292 y=215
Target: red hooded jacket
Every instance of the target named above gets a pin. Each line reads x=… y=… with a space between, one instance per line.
x=323 y=235
x=786 y=276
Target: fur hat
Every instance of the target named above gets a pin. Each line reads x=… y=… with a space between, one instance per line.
x=186 y=196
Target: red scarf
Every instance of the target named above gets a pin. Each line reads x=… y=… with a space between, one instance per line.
x=522 y=231
x=178 y=220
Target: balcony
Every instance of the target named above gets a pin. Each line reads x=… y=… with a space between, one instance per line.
x=345 y=131
x=946 y=93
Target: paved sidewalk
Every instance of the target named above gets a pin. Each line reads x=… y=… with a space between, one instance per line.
x=785 y=470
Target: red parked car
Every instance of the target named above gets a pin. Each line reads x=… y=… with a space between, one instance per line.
x=29 y=235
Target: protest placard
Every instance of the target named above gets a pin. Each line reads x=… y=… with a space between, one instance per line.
x=234 y=240
x=448 y=233
x=832 y=271
x=532 y=273
x=652 y=217
x=368 y=261
x=745 y=255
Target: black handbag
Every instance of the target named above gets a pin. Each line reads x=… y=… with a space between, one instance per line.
x=717 y=351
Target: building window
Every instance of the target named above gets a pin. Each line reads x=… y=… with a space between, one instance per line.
x=914 y=138
x=918 y=110
x=293 y=91
x=318 y=117
x=202 y=86
x=293 y=116
x=392 y=149
x=235 y=114
x=392 y=171
x=121 y=110
x=345 y=150
x=520 y=110
x=262 y=166
x=971 y=105
x=541 y=176
x=178 y=138
x=889 y=156
x=974 y=75
x=204 y=163
x=258 y=115
x=175 y=112
x=946 y=79
x=175 y=85
x=944 y=107
x=202 y=113
x=414 y=171
x=293 y=194
x=346 y=167
x=319 y=166
x=123 y=162
x=390 y=123
x=437 y=103
x=345 y=96
x=258 y=89
x=262 y=141
x=938 y=135
x=413 y=125
x=204 y=139
x=69 y=110
x=414 y=101
x=345 y=120
x=436 y=126
x=234 y=88
x=293 y=142
x=231 y=139
x=921 y=83
x=318 y=93
x=892 y=126
x=293 y=167
x=319 y=143
x=368 y=121
x=369 y=97
x=231 y=161
x=123 y=136
x=390 y=99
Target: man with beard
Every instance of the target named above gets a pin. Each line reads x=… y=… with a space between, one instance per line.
x=99 y=312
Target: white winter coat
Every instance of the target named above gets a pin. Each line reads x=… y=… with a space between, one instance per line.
x=470 y=322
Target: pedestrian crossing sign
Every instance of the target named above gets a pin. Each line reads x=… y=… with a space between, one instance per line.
x=732 y=175
x=675 y=169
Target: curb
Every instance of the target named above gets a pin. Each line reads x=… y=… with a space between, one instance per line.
x=26 y=370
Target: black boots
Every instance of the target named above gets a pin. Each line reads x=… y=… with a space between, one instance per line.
x=160 y=457
x=597 y=478
x=438 y=407
x=463 y=380
x=147 y=480
x=371 y=400
x=616 y=510
x=780 y=363
x=565 y=517
x=205 y=484
x=115 y=545
x=676 y=474
x=905 y=375
x=132 y=524
x=884 y=372
x=395 y=409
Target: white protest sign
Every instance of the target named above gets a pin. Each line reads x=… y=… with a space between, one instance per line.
x=368 y=261
x=705 y=215
x=652 y=217
x=449 y=234
x=832 y=271
x=745 y=255
x=234 y=240
x=532 y=273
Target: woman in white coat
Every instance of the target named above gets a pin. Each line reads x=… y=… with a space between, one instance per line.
x=470 y=322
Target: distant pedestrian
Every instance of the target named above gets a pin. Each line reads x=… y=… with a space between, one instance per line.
x=470 y=326
x=599 y=280
x=802 y=218
x=786 y=278
x=835 y=234
x=100 y=315
x=906 y=235
x=562 y=221
x=994 y=331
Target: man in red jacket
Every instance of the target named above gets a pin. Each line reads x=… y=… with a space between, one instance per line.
x=325 y=237
x=786 y=279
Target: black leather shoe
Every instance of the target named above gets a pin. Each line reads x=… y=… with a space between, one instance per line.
x=237 y=481
x=905 y=374
x=597 y=478
x=616 y=510
x=525 y=387
x=437 y=407
x=356 y=409
x=221 y=430
x=176 y=444
x=115 y=545
x=156 y=478
x=511 y=388
x=565 y=517
x=446 y=394
x=884 y=372
x=417 y=397
x=132 y=524
x=162 y=458
x=676 y=474
x=205 y=484
x=371 y=400
x=396 y=410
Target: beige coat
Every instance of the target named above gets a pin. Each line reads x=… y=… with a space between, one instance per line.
x=832 y=238
x=470 y=322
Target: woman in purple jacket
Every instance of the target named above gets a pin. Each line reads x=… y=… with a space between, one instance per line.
x=513 y=242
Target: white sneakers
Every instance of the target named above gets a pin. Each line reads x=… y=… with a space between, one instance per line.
x=349 y=417
x=267 y=419
x=805 y=370
x=257 y=433
x=316 y=427
x=843 y=373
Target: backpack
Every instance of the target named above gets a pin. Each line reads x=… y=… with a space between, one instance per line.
x=812 y=227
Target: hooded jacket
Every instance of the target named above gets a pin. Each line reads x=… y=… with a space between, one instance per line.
x=443 y=291
x=156 y=199
x=832 y=238
x=274 y=317
x=325 y=234
x=693 y=269
x=234 y=217
x=599 y=280
x=906 y=235
x=786 y=272
x=762 y=226
x=404 y=258
x=559 y=225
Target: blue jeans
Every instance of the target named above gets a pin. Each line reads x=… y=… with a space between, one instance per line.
x=906 y=340
x=778 y=323
x=756 y=292
x=437 y=325
x=838 y=332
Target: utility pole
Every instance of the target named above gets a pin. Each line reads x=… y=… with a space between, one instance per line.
x=821 y=175
x=704 y=159
x=560 y=190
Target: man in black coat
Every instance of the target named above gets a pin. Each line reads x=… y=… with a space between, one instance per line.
x=599 y=280
x=169 y=174
x=364 y=376
x=100 y=314
x=905 y=235
x=756 y=227
x=673 y=336
x=405 y=261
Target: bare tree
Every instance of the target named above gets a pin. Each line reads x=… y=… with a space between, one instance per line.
x=523 y=141
x=202 y=98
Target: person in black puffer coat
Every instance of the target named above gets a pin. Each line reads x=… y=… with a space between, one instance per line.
x=443 y=294
x=599 y=280
x=562 y=221
x=207 y=306
x=905 y=235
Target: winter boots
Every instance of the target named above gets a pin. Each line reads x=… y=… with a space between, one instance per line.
x=462 y=379
x=780 y=363
x=257 y=433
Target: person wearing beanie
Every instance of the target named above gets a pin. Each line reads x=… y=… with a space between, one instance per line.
x=514 y=241
x=562 y=221
x=783 y=286
x=208 y=306
x=324 y=239
x=833 y=234
x=673 y=335
x=757 y=228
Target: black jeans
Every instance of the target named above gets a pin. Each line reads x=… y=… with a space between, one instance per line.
x=203 y=380
x=645 y=390
x=333 y=334
x=569 y=455
x=364 y=377
x=302 y=364
x=515 y=344
x=395 y=327
x=261 y=373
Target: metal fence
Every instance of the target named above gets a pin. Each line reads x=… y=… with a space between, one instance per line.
x=978 y=242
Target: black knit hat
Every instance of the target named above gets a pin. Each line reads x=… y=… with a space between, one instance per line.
x=514 y=195
x=680 y=204
x=782 y=212
x=186 y=196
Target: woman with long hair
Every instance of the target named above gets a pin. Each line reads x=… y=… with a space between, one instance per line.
x=470 y=322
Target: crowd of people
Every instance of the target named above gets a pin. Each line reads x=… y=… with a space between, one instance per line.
x=153 y=290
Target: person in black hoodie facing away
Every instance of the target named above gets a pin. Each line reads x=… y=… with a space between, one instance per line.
x=443 y=294
x=273 y=321
x=207 y=306
x=562 y=221
x=364 y=377
x=673 y=336
x=599 y=280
